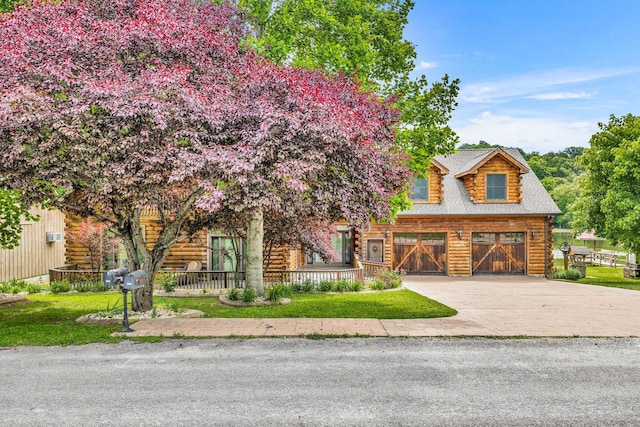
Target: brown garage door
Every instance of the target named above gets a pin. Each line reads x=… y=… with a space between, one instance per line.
x=498 y=253
x=420 y=253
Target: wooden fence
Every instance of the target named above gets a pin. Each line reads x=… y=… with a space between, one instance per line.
x=74 y=275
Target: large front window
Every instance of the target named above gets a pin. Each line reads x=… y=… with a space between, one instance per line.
x=341 y=242
x=496 y=186
x=226 y=253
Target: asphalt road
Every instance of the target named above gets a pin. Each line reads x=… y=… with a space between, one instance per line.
x=333 y=382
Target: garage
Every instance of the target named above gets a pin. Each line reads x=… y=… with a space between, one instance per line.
x=420 y=253
x=498 y=253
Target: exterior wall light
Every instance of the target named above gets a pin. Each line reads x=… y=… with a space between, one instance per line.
x=533 y=234
x=459 y=233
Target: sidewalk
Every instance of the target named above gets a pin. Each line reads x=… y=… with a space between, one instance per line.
x=487 y=306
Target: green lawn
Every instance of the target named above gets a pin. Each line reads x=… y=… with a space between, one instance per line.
x=612 y=277
x=403 y=304
x=49 y=319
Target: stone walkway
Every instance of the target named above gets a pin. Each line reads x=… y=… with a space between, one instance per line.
x=487 y=306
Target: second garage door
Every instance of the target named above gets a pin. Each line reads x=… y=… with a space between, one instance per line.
x=498 y=253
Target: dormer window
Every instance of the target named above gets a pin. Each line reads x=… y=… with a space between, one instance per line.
x=497 y=186
x=420 y=190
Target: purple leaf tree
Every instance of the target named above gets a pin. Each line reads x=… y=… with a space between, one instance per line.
x=111 y=107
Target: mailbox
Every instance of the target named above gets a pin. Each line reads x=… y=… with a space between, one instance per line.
x=134 y=280
x=111 y=277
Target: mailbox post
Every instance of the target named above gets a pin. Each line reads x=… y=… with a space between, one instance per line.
x=565 y=248
x=132 y=281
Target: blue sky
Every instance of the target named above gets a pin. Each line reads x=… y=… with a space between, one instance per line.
x=537 y=75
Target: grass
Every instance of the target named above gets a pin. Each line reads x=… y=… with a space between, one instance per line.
x=611 y=277
x=49 y=319
x=403 y=304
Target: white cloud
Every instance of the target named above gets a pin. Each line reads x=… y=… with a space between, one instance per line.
x=424 y=65
x=528 y=133
x=533 y=84
x=555 y=96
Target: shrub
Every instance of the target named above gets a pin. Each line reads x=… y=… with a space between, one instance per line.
x=308 y=286
x=326 y=286
x=341 y=286
x=297 y=287
x=249 y=295
x=60 y=286
x=392 y=279
x=13 y=286
x=234 y=294
x=83 y=287
x=567 y=275
x=378 y=285
x=32 y=288
x=356 y=286
x=277 y=292
x=167 y=281
x=98 y=287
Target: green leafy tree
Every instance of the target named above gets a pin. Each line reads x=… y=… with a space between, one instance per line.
x=609 y=197
x=564 y=192
x=12 y=212
x=6 y=5
x=364 y=39
x=559 y=173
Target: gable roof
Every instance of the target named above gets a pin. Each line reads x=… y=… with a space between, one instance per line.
x=471 y=168
x=437 y=164
x=535 y=199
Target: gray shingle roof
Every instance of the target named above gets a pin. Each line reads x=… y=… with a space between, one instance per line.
x=535 y=199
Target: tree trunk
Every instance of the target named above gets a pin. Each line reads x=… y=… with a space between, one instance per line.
x=255 y=236
x=143 y=300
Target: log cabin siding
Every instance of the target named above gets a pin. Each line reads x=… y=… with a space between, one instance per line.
x=436 y=189
x=459 y=250
x=183 y=252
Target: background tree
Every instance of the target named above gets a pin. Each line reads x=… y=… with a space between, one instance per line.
x=559 y=173
x=95 y=238
x=8 y=5
x=609 y=199
x=108 y=108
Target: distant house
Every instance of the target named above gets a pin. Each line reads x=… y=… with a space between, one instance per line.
x=41 y=247
x=476 y=212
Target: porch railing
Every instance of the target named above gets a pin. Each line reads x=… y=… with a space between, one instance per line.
x=74 y=274
x=209 y=279
x=370 y=268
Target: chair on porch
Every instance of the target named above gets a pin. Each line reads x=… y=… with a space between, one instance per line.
x=189 y=274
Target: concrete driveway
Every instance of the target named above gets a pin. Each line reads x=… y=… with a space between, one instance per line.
x=515 y=305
